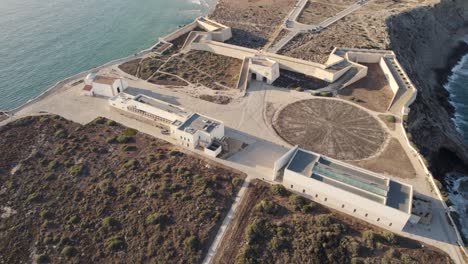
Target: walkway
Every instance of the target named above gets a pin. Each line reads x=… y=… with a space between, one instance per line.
x=295 y=27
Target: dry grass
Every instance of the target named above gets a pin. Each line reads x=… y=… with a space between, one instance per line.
x=330 y=127
x=252 y=21
x=372 y=92
x=287 y=229
x=392 y=161
x=314 y=12
x=82 y=197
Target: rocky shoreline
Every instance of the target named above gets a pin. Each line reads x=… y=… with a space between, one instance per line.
x=428 y=44
x=444 y=73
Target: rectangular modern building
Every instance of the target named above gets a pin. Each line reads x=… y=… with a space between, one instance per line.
x=360 y=193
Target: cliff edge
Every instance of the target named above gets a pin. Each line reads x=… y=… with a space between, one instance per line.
x=428 y=43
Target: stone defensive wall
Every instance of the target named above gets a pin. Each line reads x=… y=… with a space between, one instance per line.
x=313 y=69
x=181 y=31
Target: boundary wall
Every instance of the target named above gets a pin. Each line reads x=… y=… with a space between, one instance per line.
x=316 y=70
x=353 y=205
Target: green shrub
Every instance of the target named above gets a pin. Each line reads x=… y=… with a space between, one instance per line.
x=307 y=208
x=123 y=139
x=156 y=218
x=130 y=132
x=192 y=243
x=74 y=220
x=46 y=214
x=129 y=148
x=297 y=201
x=236 y=181
x=209 y=192
x=106 y=187
x=131 y=164
x=42 y=259
x=111 y=223
x=369 y=238
x=389 y=237
x=35 y=198
x=61 y=133
x=69 y=251
x=130 y=189
x=323 y=220
x=111 y=140
x=111 y=123
x=278 y=189
x=100 y=120
x=390 y=118
x=77 y=170
x=50 y=177
x=53 y=165
x=115 y=243
x=256 y=232
x=267 y=207
x=299 y=89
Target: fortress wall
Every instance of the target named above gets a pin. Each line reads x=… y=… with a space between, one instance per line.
x=362 y=73
x=291 y=64
x=181 y=31
x=335 y=198
x=360 y=57
x=389 y=75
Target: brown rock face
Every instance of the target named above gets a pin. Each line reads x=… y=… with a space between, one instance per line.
x=427 y=41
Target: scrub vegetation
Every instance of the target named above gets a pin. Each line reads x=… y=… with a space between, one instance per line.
x=84 y=198
x=274 y=225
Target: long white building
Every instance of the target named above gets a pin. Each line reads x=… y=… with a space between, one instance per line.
x=360 y=193
x=189 y=129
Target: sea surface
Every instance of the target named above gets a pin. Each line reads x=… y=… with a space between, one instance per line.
x=457 y=184
x=43 y=42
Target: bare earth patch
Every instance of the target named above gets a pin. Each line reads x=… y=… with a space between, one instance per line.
x=372 y=92
x=252 y=21
x=330 y=127
x=103 y=193
x=285 y=228
x=392 y=161
x=314 y=12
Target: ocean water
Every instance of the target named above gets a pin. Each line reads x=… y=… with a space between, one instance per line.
x=457 y=184
x=458 y=89
x=42 y=42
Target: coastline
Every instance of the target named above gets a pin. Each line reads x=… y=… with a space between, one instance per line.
x=443 y=75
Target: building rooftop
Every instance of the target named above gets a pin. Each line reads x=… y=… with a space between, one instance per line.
x=262 y=62
x=161 y=105
x=352 y=179
x=198 y=122
x=105 y=80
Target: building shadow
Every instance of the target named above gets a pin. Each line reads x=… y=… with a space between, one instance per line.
x=166 y=98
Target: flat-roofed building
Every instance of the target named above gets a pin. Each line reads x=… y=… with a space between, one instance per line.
x=149 y=109
x=199 y=131
x=360 y=193
x=189 y=129
x=97 y=85
x=264 y=69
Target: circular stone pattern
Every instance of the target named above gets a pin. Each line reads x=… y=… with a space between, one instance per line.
x=330 y=127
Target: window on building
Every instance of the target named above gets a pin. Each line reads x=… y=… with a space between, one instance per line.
x=354 y=210
x=390 y=224
x=342 y=206
x=303 y=190
x=378 y=219
x=326 y=199
x=316 y=195
x=367 y=215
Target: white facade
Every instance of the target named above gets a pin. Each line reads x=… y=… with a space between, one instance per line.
x=264 y=69
x=190 y=130
x=198 y=131
x=348 y=189
x=103 y=86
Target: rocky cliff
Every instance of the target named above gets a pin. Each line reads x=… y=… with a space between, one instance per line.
x=428 y=43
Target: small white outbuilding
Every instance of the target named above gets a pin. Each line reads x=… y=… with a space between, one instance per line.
x=264 y=69
x=97 y=85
